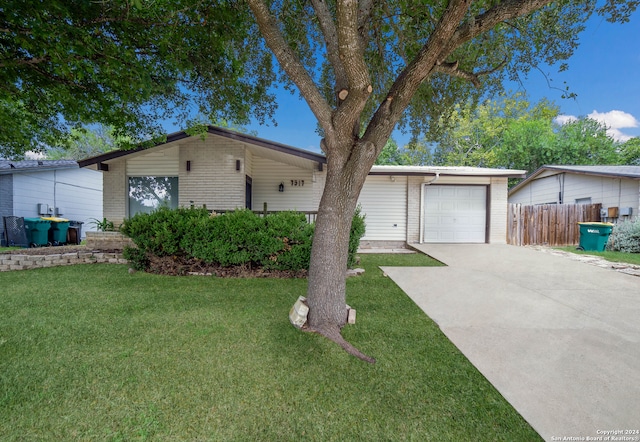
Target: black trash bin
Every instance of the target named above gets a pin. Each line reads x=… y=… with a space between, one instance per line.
x=15 y=232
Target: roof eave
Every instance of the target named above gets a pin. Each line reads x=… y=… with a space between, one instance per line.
x=214 y=131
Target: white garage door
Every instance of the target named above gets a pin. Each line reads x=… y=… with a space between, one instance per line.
x=455 y=214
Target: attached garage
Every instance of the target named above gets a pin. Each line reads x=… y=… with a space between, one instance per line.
x=455 y=214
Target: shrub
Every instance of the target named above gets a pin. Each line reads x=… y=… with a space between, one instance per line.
x=137 y=258
x=293 y=236
x=358 y=228
x=160 y=232
x=234 y=238
x=625 y=237
x=280 y=241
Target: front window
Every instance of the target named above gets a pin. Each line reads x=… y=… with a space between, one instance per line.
x=147 y=193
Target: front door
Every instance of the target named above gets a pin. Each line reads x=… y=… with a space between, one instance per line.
x=247 y=193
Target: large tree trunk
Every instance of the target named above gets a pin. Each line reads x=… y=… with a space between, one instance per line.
x=326 y=293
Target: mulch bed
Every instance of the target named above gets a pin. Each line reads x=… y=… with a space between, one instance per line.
x=174 y=265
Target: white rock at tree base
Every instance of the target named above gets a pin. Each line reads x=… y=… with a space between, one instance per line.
x=299 y=312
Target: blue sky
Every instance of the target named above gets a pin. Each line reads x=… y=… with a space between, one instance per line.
x=604 y=72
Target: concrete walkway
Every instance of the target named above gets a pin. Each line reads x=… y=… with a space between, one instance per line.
x=560 y=339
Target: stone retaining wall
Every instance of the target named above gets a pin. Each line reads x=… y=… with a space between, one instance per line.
x=15 y=261
x=107 y=241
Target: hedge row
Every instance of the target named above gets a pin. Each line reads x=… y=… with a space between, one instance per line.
x=279 y=241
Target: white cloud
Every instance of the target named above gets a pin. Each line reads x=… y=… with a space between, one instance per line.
x=614 y=120
x=564 y=119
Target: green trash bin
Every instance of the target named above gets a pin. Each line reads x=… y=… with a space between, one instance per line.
x=594 y=236
x=58 y=231
x=37 y=231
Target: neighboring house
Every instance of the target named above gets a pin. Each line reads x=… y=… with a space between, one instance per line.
x=617 y=188
x=225 y=170
x=49 y=188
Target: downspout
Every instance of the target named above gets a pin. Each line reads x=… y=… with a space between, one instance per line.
x=432 y=180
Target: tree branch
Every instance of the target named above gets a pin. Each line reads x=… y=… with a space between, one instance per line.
x=474 y=77
x=351 y=48
x=445 y=41
x=414 y=74
x=290 y=63
x=328 y=29
x=489 y=19
x=365 y=9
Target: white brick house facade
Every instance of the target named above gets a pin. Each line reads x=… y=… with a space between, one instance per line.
x=225 y=170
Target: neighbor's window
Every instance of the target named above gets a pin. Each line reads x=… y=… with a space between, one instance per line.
x=147 y=193
x=583 y=200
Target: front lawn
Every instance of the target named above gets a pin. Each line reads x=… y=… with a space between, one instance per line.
x=91 y=352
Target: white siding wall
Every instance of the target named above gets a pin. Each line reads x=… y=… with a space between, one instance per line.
x=540 y=191
x=414 y=205
x=267 y=176
x=77 y=191
x=29 y=189
x=384 y=204
x=610 y=192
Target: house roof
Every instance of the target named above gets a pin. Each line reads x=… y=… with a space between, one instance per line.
x=313 y=156
x=445 y=171
x=9 y=167
x=244 y=138
x=631 y=172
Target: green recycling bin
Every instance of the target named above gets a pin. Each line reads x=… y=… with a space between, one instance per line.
x=594 y=236
x=58 y=232
x=37 y=231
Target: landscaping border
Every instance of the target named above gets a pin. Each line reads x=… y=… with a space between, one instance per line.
x=17 y=261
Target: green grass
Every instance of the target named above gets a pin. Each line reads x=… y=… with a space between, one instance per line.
x=93 y=353
x=629 y=258
x=9 y=249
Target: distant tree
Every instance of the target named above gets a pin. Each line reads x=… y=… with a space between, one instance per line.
x=526 y=144
x=84 y=143
x=479 y=134
x=413 y=154
x=630 y=152
x=582 y=141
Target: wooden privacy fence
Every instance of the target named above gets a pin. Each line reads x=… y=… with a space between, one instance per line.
x=548 y=224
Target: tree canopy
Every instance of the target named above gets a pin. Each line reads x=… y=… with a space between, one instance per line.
x=129 y=65
x=511 y=132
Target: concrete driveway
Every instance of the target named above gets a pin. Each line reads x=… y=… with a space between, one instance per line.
x=560 y=339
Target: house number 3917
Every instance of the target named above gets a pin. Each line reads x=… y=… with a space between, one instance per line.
x=297 y=183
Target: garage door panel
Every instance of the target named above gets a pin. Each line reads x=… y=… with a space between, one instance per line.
x=455 y=214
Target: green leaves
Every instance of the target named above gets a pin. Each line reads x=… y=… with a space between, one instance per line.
x=513 y=133
x=123 y=63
